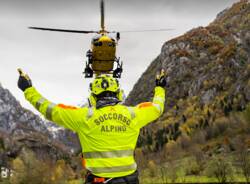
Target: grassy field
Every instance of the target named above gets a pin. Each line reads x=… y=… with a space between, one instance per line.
x=145 y=179
x=186 y=179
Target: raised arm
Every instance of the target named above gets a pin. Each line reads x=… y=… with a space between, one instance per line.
x=149 y=111
x=66 y=116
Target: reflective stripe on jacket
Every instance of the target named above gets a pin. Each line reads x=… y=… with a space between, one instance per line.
x=107 y=135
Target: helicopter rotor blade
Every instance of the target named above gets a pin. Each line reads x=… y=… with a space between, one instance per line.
x=146 y=30
x=63 y=30
x=102 y=15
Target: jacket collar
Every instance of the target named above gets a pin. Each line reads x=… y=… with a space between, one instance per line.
x=106 y=101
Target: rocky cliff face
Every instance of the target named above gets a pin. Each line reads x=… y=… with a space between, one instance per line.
x=20 y=128
x=208 y=74
x=13 y=115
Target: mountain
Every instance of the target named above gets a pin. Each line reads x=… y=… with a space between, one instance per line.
x=20 y=128
x=208 y=76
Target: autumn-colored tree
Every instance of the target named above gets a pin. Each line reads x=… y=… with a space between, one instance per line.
x=152 y=168
x=140 y=158
x=19 y=171
x=29 y=170
x=62 y=173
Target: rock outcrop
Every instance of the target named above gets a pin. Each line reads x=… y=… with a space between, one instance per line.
x=208 y=74
x=20 y=128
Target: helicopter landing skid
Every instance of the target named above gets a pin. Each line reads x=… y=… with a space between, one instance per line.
x=118 y=71
x=89 y=72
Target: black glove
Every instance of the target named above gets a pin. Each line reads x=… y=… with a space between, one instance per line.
x=24 y=81
x=160 y=79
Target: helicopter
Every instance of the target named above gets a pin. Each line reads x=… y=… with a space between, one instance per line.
x=101 y=58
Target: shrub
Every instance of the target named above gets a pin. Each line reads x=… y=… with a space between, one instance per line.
x=228 y=51
x=193 y=168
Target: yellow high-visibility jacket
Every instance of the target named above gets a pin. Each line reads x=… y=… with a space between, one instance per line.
x=108 y=135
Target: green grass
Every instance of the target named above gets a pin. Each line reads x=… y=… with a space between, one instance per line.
x=186 y=179
x=145 y=179
x=4 y=181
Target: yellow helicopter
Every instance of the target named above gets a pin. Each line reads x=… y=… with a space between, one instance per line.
x=102 y=55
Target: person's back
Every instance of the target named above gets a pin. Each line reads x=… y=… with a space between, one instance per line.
x=108 y=131
x=110 y=134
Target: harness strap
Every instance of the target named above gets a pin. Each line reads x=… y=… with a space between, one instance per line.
x=130 y=179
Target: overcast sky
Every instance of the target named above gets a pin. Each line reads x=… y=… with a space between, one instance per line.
x=55 y=61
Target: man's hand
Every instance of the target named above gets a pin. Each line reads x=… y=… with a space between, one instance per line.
x=24 y=81
x=160 y=79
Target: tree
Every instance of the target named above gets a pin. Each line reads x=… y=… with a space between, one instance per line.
x=221 y=169
x=152 y=168
x=140 y=158
x=29 y=170
x=62 y=173
x=243 y=157
x=19 y=171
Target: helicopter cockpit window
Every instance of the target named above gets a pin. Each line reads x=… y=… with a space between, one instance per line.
x=97 y=43
x=95 y=39
x=111 y=44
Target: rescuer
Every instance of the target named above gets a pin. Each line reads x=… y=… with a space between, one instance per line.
x=108 y=131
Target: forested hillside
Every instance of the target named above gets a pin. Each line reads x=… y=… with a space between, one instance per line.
x=32 y=147
x=202 y=136
x=208 y=94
